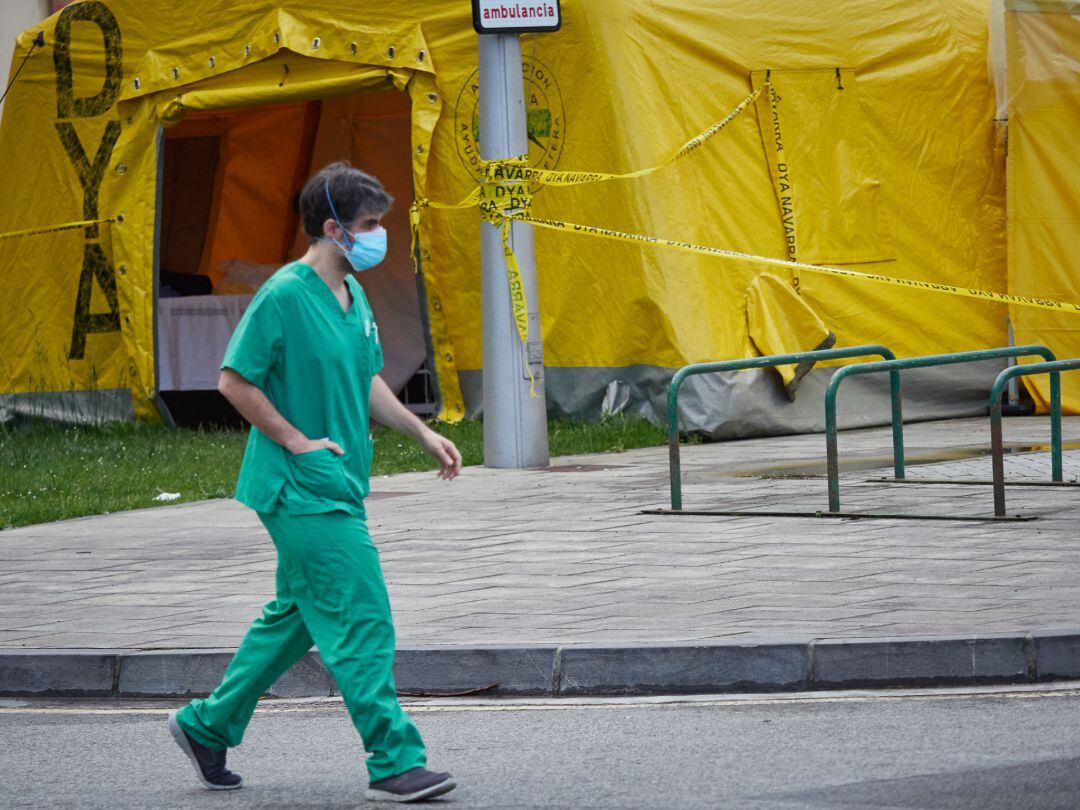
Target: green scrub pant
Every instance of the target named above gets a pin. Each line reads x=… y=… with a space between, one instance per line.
x=330 y=592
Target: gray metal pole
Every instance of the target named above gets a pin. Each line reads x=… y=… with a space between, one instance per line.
x=1014 y=388
x=515 y=423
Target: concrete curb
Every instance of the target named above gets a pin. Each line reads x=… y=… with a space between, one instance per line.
x=585 y=669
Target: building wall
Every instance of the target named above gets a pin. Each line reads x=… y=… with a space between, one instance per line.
x=15 y=17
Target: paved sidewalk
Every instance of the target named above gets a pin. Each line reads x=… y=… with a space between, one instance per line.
x=565 y=556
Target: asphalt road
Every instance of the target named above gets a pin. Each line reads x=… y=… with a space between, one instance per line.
x=1004 y=749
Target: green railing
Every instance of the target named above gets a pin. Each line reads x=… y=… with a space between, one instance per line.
x=766 y=362
x=997 y=448
x=894 y=367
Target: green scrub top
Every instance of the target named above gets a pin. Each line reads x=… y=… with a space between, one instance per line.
x=314 y=361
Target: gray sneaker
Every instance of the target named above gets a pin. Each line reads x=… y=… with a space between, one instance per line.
x=414 y=785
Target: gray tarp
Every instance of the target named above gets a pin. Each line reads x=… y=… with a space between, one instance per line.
x=735 y=405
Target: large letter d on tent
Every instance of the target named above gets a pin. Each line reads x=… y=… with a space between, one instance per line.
x=67 y=106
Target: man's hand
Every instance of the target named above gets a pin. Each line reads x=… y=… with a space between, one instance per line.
x=311 y=445
x=385 y=408
x=443 y=451
x=256 y=407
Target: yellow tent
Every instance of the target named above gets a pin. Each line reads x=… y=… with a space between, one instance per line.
x=1043 y=106
x=186 y=130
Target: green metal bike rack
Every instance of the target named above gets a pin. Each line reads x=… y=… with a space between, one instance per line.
x=893 y=367
x=997 y=447
x=767 y=362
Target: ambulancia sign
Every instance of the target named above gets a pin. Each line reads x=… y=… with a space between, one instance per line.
x=516 y=16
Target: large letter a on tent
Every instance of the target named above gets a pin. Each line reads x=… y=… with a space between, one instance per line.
x=96 y=267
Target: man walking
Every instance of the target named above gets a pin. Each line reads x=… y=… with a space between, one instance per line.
x=302 y=368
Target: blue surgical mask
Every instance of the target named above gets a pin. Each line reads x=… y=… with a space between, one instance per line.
x=366 y=248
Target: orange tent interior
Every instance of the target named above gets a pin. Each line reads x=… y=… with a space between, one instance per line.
x=230 y=185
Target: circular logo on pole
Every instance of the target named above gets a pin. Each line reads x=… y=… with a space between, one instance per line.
x=545 y=118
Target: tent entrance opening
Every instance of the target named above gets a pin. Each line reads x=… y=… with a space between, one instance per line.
x=230 y=217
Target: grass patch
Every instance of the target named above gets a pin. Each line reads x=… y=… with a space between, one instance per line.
x=50 y=472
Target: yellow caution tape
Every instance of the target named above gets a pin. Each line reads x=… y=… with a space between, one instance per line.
x=517 y=287
x=516 y=171
x=505 y=194
x=548 y=177
x=67 y=226
x=517 y=299
x=688 y=247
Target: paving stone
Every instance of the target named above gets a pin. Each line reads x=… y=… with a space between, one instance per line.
x=172 y=673
x=852 y=663
x=188 y=673
x=526 y=670
x=482 y=559
x=1057 y=654
x=86 y=673
x=685 y=668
